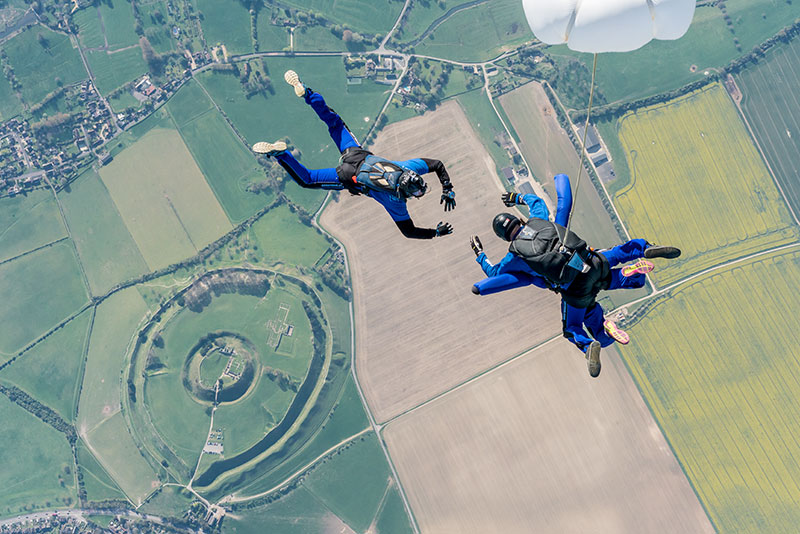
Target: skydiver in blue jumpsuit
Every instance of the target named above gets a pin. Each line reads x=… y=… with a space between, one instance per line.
x=577 y=310
x=390 y=183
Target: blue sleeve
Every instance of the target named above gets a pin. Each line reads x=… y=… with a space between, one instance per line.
x=396 y=208
x=536 y=207
x=511 y=264
x=417 y=165
x=564 y=194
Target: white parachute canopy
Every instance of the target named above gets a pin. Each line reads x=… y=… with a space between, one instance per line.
x=607 y=25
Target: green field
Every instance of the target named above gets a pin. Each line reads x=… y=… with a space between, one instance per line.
x=420 y=16
x=724 y=391
x=90 y=29
x=319 y=38
x=39 y=66
x=158 y=34
x=485 y=123
x=479 y=33
x=227 y=164
x=772 y=108
x=118 y=454
x=123 y=101
x=664 y=65
x=170 y=501
x=28 y=222
x=50 y=372
x=166 y=204
x=352 y=483
x=393 y=518
x=226 y=22
x=39 y=290
x=115 y=69
x=699 y=183
x=114 y=328
x=9 y=102
x=107 y=251
x=294 y=244
x=365 y=16
x=118 y=22
x=36 y=460
x=98 y=484
x=270 y=37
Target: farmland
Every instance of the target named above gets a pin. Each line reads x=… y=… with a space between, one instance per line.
x=28 y=222
x=466 y=469
x=114 y=69
x=295 y=243
x=118 y=22
x=724 y=390
x=108 y=252
x=98 y=484
x=39 y=289
x=226 y=22
x=771 y=106
x=150 y=192
x=365 y=16
x=690 y=160
x=9 y=102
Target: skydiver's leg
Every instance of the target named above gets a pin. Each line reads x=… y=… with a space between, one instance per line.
x=501 y=282
x=309 y=178
x=564 y=194
x=594 y=324
x=337 y=129
x=572 y=320
x=632 y=250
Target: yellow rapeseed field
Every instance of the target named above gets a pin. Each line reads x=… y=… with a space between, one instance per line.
x=698 y=182
x=718 y=364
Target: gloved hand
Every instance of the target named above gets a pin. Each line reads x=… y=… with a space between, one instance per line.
x=511 y=199
x=448 y=197
x=476 y=245
x=443 y=228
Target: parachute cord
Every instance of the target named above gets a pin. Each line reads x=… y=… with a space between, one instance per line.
x=583 y=145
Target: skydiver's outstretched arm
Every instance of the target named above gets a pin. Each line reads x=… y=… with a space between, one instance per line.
x=411 y=231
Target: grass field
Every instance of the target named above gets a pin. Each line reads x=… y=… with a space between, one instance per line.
x=118 y=22
x=39 y=290
x=170 y=501
x=28 y=222
x=158 y=34
x=270 y=37
x=38 y=67
x=724 y=391
x=118 y=454
x=113 y=70
x=393 y=518
x=123 y=101
x=420 y=16
x=90 y=30
x=771 y=106
x=365 y=16
x=9 y=102
x=485 y=124
x=114 y=327
x=36 y=459
x=107 y=251
x=188 y=103
x=663 y=65
x=320 y=38
x=226 y=22
x=352 y=483
x=479 y=33
x=98 y=484
x=282 y=237
x=166 y=204
x=699 y=183
x=50 y=372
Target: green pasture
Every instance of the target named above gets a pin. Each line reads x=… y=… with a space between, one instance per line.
x=28 y=222
x=485 y=123
x=90 y=29
x=161 y=195
x=609 y=131
x=188 y=103
x=39 y=290
x=420 y=16
x=114 y=69
x=299 y=512
x=118 y=21
x=108 y=252
x=39 y=67
x=226 y=22
x=227 y=164
x=320 y=38
x=98 y=484
x=337 y=311
x=169 y=501
x=728 y=409
x=479 y=33
x=271 y=38
x=118 y=453
x=123 y=101
x=364 y=16
x=10 y=105
x=772 y=108
x=159 y=35
x=393 y=517
x=352 y=483
x=50 y=372
x=282 y=237
x=115 y=324
x=211 y=369
x=37 y=464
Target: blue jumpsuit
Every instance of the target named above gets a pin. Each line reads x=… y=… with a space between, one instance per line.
x=327 y=178
x=512 y=272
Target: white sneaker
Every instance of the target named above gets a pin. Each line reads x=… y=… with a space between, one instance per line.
x=293 y=79
x=269 y=149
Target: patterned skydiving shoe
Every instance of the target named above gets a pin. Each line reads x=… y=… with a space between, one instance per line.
x=620 y=336
x=641 y=266
x=293 y=79
x=269 y=148
x=593 y=357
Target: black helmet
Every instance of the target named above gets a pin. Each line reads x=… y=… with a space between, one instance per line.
x=411 y=184
x=504 y=225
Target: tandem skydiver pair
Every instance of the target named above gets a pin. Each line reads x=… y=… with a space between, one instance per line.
x=541 y=253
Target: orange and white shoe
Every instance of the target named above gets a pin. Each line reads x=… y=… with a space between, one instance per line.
x=293 y=79
x=269 y=149
x=640 y=267
x=620 y=336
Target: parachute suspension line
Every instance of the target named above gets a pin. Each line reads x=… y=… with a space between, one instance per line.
x=583 y=144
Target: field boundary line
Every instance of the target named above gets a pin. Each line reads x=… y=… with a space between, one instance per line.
x=59 y=240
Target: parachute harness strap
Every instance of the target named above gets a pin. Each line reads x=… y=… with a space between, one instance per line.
x=583 y=145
